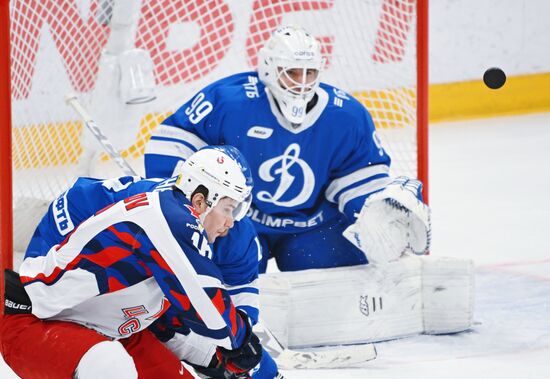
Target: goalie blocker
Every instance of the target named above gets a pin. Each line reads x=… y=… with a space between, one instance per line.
x=360 y=304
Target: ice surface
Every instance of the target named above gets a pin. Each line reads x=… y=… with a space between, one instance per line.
x=489 y=191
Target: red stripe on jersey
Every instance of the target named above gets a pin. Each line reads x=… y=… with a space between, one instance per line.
x=108 y=256
x=233 y=319
x=164 y=307
x=104 y=209
x=147 y=271
x=218 y=302
x=198 y=316
x=160 y=261
x=102 y=258
x=115 y=285
x=42 y=277
x=182 y=299
x=125 y=237
x=176 y=322
x=135 y=201
x=57 y=271
x=64 y=242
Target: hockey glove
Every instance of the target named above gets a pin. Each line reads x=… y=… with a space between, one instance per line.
x=214 y=370
x=391 y=222
x=237 y=363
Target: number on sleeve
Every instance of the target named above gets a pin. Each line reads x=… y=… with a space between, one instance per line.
x=201 y=244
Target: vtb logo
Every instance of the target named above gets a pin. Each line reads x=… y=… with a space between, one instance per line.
x=278 y=168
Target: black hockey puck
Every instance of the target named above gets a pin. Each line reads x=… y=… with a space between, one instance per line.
x=494 y=78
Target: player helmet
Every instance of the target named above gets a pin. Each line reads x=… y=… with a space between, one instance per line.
x=224 y=171
x=289 y=65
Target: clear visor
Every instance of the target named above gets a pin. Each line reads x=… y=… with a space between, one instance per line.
x=298 y=81
x=229 y=207
x=242 y=208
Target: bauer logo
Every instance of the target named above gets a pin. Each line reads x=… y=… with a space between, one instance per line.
x=11 y=307
x=369 y=304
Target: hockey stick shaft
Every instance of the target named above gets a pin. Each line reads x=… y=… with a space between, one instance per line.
x=92 y=126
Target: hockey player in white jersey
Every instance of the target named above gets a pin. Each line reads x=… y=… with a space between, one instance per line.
x=314 y=154
x=112 y=257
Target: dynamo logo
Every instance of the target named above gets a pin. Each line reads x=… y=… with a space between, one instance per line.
x=290 y=157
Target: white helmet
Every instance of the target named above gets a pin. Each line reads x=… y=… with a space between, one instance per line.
x=291 y=48
x=223 y=171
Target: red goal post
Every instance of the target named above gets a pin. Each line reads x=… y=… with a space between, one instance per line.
x=6 y=246
x=376 y=50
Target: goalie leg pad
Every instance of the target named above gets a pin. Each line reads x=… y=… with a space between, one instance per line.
x=361 y=304
x=448 y=294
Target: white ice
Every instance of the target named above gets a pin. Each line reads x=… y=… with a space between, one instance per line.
x=489 y=192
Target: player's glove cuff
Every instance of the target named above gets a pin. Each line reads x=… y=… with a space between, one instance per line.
x=240 y=361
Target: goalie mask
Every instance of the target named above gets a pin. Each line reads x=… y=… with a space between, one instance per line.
x=289 y=65
x=224 y=171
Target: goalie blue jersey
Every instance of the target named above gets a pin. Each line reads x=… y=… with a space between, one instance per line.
x=303 y=175
x=117 y=254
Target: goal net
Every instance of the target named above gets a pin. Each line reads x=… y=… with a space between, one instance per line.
x=116 y=55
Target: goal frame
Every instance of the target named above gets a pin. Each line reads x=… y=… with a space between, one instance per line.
x=6 y=216
x=6 y=191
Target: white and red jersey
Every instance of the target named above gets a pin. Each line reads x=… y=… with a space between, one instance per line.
x=131 y=249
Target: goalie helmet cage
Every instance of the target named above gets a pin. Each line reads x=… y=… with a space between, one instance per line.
x=112 y=53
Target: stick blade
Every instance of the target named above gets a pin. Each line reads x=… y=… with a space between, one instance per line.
x=329 y=357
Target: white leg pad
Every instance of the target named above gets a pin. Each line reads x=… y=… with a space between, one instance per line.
x=359 y=304
x=107 y=359
x=448 y=294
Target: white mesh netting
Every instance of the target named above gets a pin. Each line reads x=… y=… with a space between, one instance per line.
x=57 y=45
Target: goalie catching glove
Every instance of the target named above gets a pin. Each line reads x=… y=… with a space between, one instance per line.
x=391 y=222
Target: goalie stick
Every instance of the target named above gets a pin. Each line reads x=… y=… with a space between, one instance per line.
x=327 y=357
x=72 y=100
